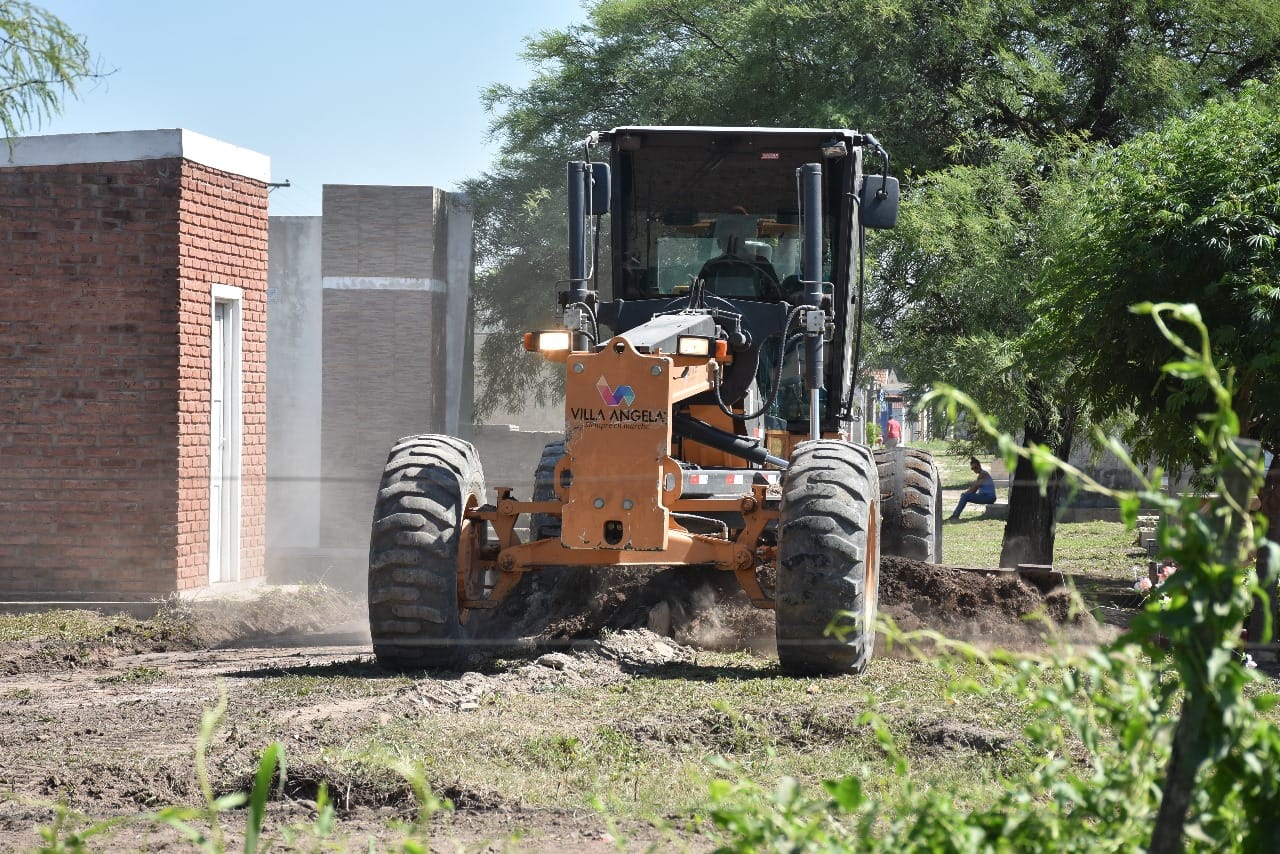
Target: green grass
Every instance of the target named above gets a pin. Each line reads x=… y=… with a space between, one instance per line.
x=136 y=676
x=1084 y=548
x=1097 y=548
x=649 y=747
x=953 y=469
x=64 y=625
x=334 y=684
x=974 y=541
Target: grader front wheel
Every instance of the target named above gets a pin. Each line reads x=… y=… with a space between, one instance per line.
x=828 y=559
x=418 y=531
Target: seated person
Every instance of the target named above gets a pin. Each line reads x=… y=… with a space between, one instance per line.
x=741 y=270
x=983 y=490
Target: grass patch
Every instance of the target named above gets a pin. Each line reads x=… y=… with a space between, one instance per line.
x=136 y=676
x=1097 y=548
x=974 y=541
x=334 y=684
x=74 y=626
x=649 y=747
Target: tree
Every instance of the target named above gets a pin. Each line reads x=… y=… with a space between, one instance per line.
x=945 y=83
x=938 y=80
x=954 y=298
x=1189 y=214
x=957 y=284
x=41 y=61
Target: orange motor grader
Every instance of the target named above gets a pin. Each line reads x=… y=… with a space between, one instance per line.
x=710 y=413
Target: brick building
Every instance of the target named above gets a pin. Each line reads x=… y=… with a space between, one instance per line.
x=132 y=365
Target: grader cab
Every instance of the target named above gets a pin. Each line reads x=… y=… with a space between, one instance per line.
x=710 y=409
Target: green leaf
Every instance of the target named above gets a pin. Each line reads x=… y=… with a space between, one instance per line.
x=846 y=793
x=261 y=792
x=1265 y=702
x=230 y=801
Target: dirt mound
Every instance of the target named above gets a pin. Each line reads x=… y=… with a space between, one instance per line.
x=991 y=610
x=698 y=607
x=261 y=617
x=87 y=639
x=614 y=658
x=706 y=609
x=270 y=616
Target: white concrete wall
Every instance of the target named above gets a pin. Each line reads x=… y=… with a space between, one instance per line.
x=309 y=264
x=294 y=314
x=458 y=373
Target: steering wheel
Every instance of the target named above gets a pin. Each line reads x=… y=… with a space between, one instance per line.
x=766 y=285
x=707 y=299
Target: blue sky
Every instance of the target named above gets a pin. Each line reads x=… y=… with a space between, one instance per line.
x=378 y=92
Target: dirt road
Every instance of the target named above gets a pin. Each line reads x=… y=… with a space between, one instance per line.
x=108 y=726
x=116 y=737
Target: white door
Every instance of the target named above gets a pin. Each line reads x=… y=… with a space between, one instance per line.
x=224 y=436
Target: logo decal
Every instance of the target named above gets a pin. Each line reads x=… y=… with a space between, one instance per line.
x=620 y=396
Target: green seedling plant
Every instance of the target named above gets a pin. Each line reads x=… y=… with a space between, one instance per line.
x=1153 y=742
x=191 y=822
x=418 y=834
x=60 y=838
x=202 y=826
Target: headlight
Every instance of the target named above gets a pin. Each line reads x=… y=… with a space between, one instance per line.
x=557 y=340
x=548 y=341
x=693 y=345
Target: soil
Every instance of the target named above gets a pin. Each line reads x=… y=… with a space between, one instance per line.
x=106 y=726
x=986 y=610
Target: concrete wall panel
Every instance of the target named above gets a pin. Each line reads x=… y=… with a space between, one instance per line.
x=294 y=315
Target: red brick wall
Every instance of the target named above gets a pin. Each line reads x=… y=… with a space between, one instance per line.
x=104 y=320
x=223 y=240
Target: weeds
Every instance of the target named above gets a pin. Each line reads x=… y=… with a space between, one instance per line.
x=203 y=826
x=60 y=838
x=142 y=675
x=62 y=625
x=1158 y=739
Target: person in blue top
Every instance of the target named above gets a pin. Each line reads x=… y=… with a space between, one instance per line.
x=983 y=490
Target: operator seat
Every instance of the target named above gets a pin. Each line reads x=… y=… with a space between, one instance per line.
x=742 y=269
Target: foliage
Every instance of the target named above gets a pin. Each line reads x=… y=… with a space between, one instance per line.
x=1189 y=214
x=1084 y=791
x=937 y=77
x=41 y=61
x=516 y=241
x=955 y=279
x=954 y=295
x=1151 y=741
x=942 y=83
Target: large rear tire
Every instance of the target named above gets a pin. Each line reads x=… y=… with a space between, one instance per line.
x=418 y=528
x=828 y=559
x=910 y=504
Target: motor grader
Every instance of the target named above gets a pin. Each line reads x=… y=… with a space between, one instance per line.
x=710 y=411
